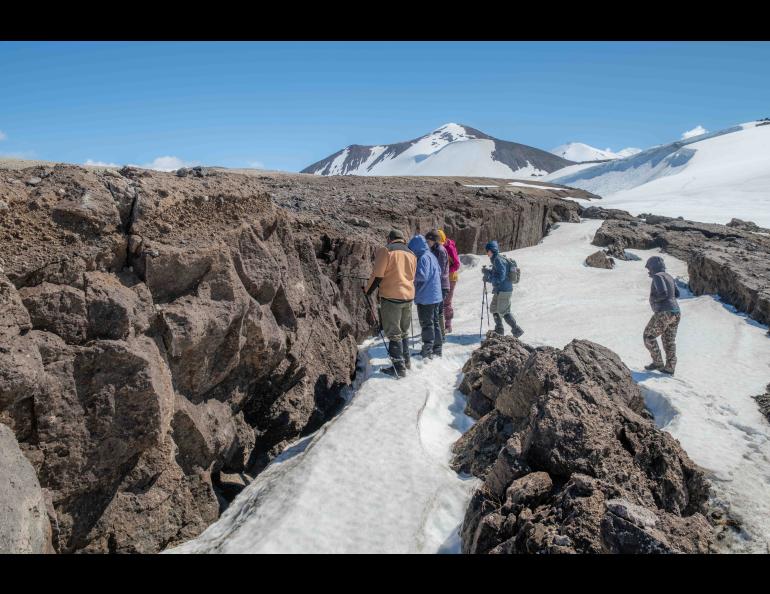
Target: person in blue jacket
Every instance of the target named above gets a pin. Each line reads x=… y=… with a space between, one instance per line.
x=427 y=296
x=502 y=290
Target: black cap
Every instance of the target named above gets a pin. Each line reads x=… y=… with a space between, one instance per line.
x=432 y=235
x=395 y=234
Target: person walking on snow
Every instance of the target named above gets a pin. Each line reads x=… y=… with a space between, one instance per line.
x=438 y=250
x=665 y=317
x=427 y=296
x=393 y=276
x=454 y=266
x=502 y=290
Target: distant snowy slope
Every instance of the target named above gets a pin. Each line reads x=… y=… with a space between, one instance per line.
x=581 y=153
x=452 y=149
x=712 y=177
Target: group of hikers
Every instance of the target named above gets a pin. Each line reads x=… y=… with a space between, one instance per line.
x=425 y=272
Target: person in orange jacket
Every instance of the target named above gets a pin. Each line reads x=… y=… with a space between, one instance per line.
x=393 y=277
x=454 y=267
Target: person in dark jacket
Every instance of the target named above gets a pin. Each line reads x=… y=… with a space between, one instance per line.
x=665 y=317
x=433 y=238
x=502 y=290
x=393 y=278
x=427 y=296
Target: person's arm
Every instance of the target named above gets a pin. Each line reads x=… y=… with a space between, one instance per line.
x=378 y=271
x=659 y=290
x=455 y=260
x=420 y=274
x=498 y=270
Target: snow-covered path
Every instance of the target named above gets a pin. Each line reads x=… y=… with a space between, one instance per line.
x=376 y=478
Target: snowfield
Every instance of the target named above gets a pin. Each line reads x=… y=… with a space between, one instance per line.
x=580 y=152
x=709 y=178
x=377 y=479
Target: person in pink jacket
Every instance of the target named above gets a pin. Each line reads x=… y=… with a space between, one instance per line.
x=454 y=266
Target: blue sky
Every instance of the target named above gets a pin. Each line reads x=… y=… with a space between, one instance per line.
x=286 y=105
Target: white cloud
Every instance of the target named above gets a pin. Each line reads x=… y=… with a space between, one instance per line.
x=255 y=165
x=100 y=163
x=167 y=163
x=3 y=135
x=697 y=131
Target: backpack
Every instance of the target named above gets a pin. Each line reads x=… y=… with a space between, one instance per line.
x=514 y=272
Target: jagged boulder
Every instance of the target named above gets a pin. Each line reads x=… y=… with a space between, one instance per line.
x=747 y=226
x=600 y=259
x=572 y=463
x=25 y=527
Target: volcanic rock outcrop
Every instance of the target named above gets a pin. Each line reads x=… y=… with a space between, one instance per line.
x=160 y=333
x=600 y=259
x=727 y=260
x=569 y=458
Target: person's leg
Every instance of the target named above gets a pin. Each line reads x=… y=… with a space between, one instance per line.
x=390 y=314
x=499 y=328
x=441 y=318
x=449 y=311
x=425 y=315
x=669 y=341
x=437 y=321
x=406 y=322
x=654 y=329
x=504 y=309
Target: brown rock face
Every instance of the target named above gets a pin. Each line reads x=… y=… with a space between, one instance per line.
x=160 y=333
x=570 y=460
x=730 y=261
x=25 y=527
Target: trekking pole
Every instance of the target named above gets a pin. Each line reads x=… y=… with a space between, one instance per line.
x=483 y=299
x=379 y=327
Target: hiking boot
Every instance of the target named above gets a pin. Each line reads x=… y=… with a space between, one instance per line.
x=668 y=369
x=394 y=372
x=653 y=366
x=406 y=354
x=515 y=328
x=499 y=328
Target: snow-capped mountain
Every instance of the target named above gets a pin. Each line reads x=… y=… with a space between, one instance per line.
x=580 y=152
x=452 y=149
x=712 y=177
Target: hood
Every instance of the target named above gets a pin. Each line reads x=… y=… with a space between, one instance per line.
x=450 y=243
x=492 y=246
x=418 y=245
x=655 y=264
x=441 y=237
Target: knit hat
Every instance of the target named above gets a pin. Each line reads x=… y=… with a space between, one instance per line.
x=492 y=246
x=441 y=237
x=432 y=235
x=395 y=234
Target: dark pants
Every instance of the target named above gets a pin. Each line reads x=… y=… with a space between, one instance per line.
x=431 y=329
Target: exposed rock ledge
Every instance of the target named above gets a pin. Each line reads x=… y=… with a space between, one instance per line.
x=570 y=460
x=732 y=261
x=161 y=333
